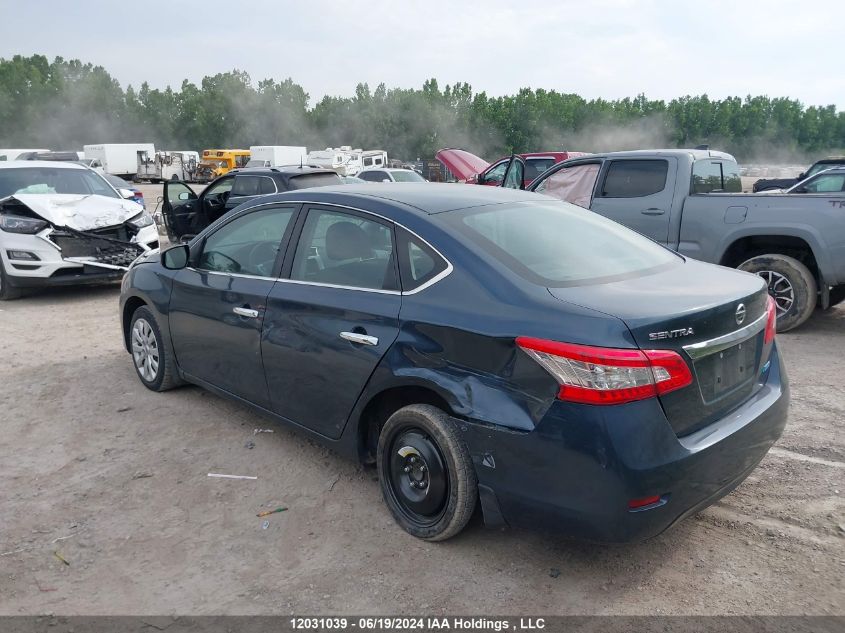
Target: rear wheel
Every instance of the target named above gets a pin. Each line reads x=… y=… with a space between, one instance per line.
x=791 y=285
x=7 y=291
x=426 y=473
x=153 y=360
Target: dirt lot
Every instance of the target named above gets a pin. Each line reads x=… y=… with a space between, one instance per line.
x=113 y=478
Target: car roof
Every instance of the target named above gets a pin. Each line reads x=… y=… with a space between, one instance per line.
x=58 y=164
x=289 y=170
x=695 y=154
x=424 y=197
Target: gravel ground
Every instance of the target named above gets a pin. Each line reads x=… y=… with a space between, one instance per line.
x=112 y=478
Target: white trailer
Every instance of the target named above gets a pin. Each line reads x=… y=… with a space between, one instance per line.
x=347 y=161
x=12 y=154
x=119 y=159
x=275 y=155
x=166 y=165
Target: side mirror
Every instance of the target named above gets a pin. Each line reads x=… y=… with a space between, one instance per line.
x=800 y=190
x=476 y=179
x=385 y=179
x=176 y=257
x=184 y=195
x=126 y=194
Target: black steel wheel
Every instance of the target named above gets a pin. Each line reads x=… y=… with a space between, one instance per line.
x=426 y=473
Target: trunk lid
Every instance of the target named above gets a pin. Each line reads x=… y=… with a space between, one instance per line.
x=713 y=317
x=463 y=164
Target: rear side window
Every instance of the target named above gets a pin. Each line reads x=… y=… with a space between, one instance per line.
x=343 y=249
x=253 y=186
x=557 y=244
x=634 y=178
x=536 y=166
x=713 y=176
x=304 y=181
x=418 y=262
x=571 y=184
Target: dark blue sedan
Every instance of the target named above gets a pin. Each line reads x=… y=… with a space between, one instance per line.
x=479 y=346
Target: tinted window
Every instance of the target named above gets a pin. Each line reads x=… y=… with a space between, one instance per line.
x=253 y=185
x=634 y=178
x=536 y=166
x=53 y=180
x=304 y=181
x=559 y=244
x=247 y=245
x=345 y=250
x=419 y=263
x=372 y=176
x=712 y=176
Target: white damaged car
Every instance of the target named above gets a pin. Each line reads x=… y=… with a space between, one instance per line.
x=64 y=224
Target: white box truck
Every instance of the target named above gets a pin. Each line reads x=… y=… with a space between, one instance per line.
x=118 y=159
x=275 y=155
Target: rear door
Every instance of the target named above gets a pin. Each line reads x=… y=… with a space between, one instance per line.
x=217 y=306
x=179 y=209
x=638 y=193
x=328 y=324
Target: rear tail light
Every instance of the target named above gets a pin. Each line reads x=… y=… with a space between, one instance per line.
x=601 y=375
x=771 y=320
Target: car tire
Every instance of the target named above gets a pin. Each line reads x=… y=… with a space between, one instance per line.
x=7 y=291
x=426 y=473
x=790 y=283
x=151 y=356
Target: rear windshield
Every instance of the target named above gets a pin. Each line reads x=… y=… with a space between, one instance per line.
x=557 y=244
x=49 y=180
x=313 y=180
x=407 y=176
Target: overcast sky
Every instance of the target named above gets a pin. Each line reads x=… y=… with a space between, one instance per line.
x=596 y=48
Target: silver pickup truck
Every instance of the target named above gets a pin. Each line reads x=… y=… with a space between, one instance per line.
x=691 y=201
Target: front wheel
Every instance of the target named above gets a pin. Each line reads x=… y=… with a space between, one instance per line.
x=791 y=285
x=153 y=360
x=426 y=473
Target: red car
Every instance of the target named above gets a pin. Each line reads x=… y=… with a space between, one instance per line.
x=469 y=168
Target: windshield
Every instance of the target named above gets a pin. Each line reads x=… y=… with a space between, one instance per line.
x=49 y=180
x=407 y=176
x=557 y=244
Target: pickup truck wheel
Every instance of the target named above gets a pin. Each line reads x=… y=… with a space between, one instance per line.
x=791 y=285
x=7 y=292
x=426 y=473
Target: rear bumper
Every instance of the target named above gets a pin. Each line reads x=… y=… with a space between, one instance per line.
x=576 y=472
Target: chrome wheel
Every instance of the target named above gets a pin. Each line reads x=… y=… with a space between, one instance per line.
x=145 y=350
x=780 y=289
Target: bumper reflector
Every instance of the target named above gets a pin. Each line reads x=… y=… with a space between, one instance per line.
x=646 y=503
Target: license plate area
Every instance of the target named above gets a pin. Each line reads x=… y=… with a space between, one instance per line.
x=727 y=371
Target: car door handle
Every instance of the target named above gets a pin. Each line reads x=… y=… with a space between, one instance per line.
x=357 y=337
x=246 y=312
x=653 y=211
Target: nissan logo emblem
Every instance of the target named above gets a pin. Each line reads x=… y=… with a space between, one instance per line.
x=740 y=314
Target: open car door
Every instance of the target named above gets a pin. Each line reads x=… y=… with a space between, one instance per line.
x=179 y=210
x=514 y=174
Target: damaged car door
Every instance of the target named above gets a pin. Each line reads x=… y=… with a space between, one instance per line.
x=218 y=301
x=331 y=319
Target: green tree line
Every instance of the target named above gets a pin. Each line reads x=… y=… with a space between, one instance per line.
x=64 y=104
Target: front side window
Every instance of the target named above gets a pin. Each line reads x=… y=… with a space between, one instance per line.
x=220 y=187
x=634 y=178
x=343 y=249
x=571 y=184
x=253 y=185
x=495 y=175
x=248 y=245
x=557 y=244
x=826 y=183
x=53 y=180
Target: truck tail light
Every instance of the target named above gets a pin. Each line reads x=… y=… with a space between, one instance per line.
x=771 y=321
x=602 y=375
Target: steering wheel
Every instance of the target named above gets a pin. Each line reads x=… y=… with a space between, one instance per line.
x=262 y=257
